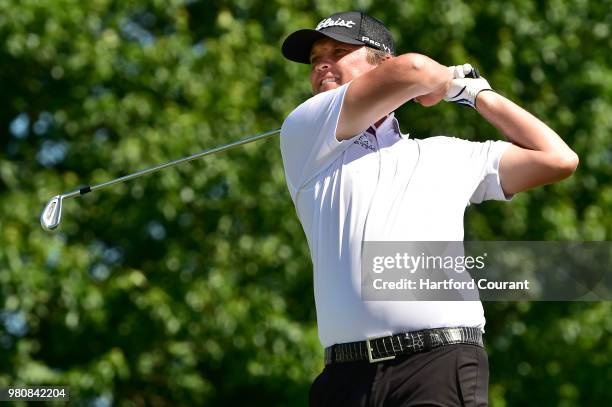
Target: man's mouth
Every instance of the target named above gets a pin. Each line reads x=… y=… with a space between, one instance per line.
x=327 y=80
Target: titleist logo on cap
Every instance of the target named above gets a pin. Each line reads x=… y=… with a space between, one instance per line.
x=328 y=22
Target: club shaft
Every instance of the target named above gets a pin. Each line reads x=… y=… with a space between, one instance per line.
x=151 y=170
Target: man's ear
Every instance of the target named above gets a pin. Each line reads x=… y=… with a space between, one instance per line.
x=387 y=57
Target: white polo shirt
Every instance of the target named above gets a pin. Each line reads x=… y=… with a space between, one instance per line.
x=383 y=187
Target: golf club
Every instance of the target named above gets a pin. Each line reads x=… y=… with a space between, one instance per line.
x=52 y=214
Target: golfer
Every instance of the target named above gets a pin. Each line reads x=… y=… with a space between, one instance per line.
x=354 y=177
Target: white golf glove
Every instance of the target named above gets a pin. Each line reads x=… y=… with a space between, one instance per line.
x=466 y=85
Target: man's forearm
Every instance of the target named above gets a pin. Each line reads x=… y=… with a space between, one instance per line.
x=541 y=157
x=520 y=126
x=429 y=75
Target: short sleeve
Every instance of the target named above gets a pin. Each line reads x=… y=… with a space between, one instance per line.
x=487 y=156
x=308 y=137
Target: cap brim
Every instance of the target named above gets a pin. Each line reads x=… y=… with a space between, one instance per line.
x=297 y=46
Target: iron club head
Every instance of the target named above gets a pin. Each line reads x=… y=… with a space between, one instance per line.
x=52 y=214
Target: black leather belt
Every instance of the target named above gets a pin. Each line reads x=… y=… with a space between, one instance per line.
x=380 y=348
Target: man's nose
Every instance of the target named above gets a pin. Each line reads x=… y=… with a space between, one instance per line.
x=322 y=66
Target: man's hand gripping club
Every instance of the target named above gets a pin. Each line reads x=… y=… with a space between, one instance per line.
x=466 y=85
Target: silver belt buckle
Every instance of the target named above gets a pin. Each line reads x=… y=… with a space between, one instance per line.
x=370 y=349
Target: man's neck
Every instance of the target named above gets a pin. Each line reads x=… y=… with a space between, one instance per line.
x=378 y=123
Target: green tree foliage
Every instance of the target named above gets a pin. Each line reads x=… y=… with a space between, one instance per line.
x=193 y=286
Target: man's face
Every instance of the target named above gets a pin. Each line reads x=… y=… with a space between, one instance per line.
x=334 y=63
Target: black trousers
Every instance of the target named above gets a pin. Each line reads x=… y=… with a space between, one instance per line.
x=452 y=375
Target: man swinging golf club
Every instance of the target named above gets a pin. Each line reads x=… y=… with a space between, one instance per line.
x=354 y=177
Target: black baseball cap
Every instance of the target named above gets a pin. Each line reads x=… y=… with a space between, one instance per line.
x=353 y=27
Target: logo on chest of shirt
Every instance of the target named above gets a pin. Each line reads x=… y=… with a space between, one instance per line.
x=365 y=142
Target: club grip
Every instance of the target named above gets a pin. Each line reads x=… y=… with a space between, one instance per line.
x=473 y=74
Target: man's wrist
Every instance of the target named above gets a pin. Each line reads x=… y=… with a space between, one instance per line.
x=449 y=80
x=484 y=98
x=465 y=90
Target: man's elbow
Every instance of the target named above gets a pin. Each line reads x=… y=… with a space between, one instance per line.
x=566 y=164
x=412 y=61
x=414 y=70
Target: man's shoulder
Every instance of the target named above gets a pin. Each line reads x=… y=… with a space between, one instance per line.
x=452 y=142
x=313 y=107
x=445 y=148
x=442 y=148
x=444 y=142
